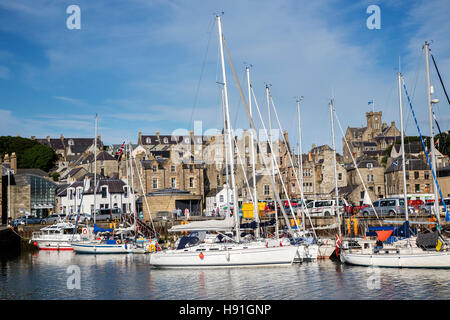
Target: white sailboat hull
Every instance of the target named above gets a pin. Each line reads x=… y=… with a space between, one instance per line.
x=401 y=260
x=236 y=257
x=100 y=248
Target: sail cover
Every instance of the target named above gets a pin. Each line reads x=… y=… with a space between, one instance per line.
x=208 y=225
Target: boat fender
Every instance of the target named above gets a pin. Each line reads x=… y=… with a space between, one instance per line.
x=281 y=244
x=118 y=241
x=201 y=255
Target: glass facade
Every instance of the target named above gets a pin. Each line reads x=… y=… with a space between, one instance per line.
x=42 y=195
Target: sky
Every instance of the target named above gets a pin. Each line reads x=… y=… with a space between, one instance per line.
x=154 y=65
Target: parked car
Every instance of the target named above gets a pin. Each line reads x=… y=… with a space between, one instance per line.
x=325 y=207
x=83 y=218
x=428 y=207
x=387 y=207
x=53 y=218
x=19 y=221
x=32 y=220
x=108 y=214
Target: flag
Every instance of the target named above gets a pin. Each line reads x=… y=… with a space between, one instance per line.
x=120 y=151
x=338 y=245
x=439 y=245
x=436 y=144
x=370 y=102
x=395 y=163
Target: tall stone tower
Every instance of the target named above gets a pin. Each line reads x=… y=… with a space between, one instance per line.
x=374 y=123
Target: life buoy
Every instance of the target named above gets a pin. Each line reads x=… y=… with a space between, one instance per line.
x=85 y=231
x=152 y=248
x=118 y=241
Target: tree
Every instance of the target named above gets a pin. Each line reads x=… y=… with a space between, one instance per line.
x=29 y=153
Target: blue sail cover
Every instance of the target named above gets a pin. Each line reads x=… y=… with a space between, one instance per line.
x=403 y=231
x=97 y=229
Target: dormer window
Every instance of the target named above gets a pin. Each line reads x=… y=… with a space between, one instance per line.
x=166 y=140
x=148 y=140
x=186 y=140
x=70 y=142
x=369 y=165
x=155 y=168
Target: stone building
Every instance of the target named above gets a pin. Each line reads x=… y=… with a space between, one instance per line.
x=70 y=149
x=372 y=174
x=419 y=183
x=370 y=140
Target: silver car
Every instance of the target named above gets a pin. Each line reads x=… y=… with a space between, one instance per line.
x=387 y=207
x=54 y=218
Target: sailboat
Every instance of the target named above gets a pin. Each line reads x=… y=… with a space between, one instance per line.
x=429 y=250
x=228 y=251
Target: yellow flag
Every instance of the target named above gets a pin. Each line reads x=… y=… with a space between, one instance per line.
x=439 y=245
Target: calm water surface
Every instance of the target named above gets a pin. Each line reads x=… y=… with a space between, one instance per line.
x=43 y=275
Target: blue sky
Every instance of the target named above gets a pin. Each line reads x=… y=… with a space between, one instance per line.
x=152 y=65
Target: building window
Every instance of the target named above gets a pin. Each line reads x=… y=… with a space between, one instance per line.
x=148 y=140
x=370 y=166
x=191 y=182
x=155 y=168
x=155 y=183
x=293 y=187
x=221 y=198
x=417 y=187
x=416 y=174
x=407 y=175
x=166 y=140
x=174 y=183
x=104 y=192
x=340 y=176
x=172 y=168
x=379 y=190
x=70 y=194
x=125 y=192
x=266 y=190
x=426 y=175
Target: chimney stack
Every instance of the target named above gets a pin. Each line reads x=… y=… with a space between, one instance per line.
x=14 y=162
x=140 y=137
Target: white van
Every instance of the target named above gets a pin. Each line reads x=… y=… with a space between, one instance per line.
x=325 y=208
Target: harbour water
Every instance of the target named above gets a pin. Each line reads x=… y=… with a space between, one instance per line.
x=48 y=275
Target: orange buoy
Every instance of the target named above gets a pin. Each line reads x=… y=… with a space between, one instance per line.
x=201 y=255
x=35 y=243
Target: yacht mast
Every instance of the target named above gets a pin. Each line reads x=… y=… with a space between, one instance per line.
x=227 y=196
x=300 y=163
x=335 y=171
x=399 y=75
x=272 y=158
x=252 y=150
x=95 y=167
x=228 y=130
x=430 y=119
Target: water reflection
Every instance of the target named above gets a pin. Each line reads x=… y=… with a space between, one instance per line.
x=43 y=275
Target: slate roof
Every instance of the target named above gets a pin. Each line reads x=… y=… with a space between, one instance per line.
x=114 y=186
x=172 y=140
x=413 y=163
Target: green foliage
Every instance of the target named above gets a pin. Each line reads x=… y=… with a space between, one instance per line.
x=55 y=176
x=29 y=153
